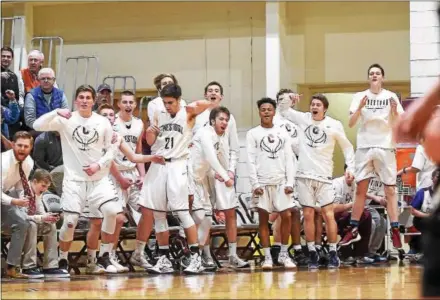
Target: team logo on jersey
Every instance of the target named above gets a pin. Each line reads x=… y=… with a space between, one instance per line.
x=171 y=127
x=375 y=104
x=217 y=146
x=131 y=139
x=315 y=136
x=271 y=144
x=85 y=137
x=291 y=130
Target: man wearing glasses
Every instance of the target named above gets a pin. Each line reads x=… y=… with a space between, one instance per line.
x=44 y=98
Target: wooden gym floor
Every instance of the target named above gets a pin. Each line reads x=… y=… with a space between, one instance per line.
x=379 y=282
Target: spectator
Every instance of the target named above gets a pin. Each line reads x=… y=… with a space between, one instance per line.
x=16 y=167
x=421 y=208
x=10 y=115
x=44 y=98
x=47 y=151
x=42 y=223
x=104 y=95
x=30 y=74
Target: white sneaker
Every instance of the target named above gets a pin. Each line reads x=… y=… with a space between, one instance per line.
x=195 y=265
x=93 y=268
x=104 y=262
x=163 y=266
x=115 y=262
x=140 y=260
x=237 y=263
x=286 y=261
x=267 y=263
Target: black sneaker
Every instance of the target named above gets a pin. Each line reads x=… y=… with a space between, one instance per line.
x=323 y=257
x=106 y=264
x=55 y=273
x=334 y=261
x=300 y=258
x=313 y=260
x=33 y=273
x=63 y=264
x=275 y=252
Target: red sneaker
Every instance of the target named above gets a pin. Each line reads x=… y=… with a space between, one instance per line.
x=395 y=238
x=351 y=236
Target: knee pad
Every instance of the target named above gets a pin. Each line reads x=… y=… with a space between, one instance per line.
x=185 y=219
x=198 y=216
x=67 y=230
x=160 y=221
x=203 y=230
x=110 y=211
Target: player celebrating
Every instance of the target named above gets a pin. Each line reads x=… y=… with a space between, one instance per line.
x=271 y=171
x=167 y=186
x=87 y=153
x=318 y=136
x=378 y=109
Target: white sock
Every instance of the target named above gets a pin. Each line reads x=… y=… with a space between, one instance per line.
x=207 y=251
x=311 y=246
x=91 y=255
x=318 y=247
x=105 y=248
x=332 y=246
x=267 y=253
x=297 y=247
x=284 y=248
x=64 y=255
x=232 y=249
x=140 y=247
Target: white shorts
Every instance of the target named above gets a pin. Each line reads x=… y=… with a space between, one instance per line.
x=91 y=195
x=312 y=193
x=129 y=196
x=371 y=161
x=165 y=187
x=274 y=199
x=225 y=197
x=202 y=197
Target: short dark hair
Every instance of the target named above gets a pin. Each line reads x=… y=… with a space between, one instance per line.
x=171 y=90
x=216 y=111
x=322 y=98
x=159 y=78
x=214 y=83
x=85 y=88
x=376 y=66
x=23 y=135
x=105 y=106
x=266 y=100
x=42 y=175
x=283 y=91
x=9 y=49
x=435 y=173
x=127 y=93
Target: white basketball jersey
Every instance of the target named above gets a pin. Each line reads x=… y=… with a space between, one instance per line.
x=130 y=132
x=174 y=136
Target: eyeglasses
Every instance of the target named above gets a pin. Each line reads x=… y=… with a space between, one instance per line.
x=47 y=79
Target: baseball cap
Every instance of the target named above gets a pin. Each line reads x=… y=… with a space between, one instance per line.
x=104 y=86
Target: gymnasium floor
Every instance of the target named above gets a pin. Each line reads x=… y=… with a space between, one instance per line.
x=379 y=282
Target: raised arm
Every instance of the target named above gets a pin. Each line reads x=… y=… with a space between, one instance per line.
x=294 y=116
x=356 y=108
x=48 y=122
x=290 y=162
x=153 y=130
x=346 y=146
x=196 y=108
x=251 y=148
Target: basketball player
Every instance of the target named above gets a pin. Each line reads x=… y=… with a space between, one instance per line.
x=272 y=168
x=127 y=189
x=318 y=136
x=224 y=201
x=166 y=187
x=87 y=154
x=377 y=109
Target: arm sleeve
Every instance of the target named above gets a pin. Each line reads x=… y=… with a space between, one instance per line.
x=346 y=146
x=294 y=116
x=252 y=153
x=211 y=156
x=234 y=146
x=48 y=122
x=151 y=108
x=21 y=92
x=290 y=162
x=355 y=103
x=418 y=199
x=30 y=113
x=419 y=158
x=109 y=156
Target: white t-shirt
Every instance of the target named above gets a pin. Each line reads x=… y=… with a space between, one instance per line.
x=422 y=162
x=269 y=155
x=317 y=141
x=232 y=146
x=130 y=132
x=343 y=192
x=206 y=154
x=174 y=136
x=376 y=188
x=83 y=141
x=157 y=105
x=375 y=129
x=291 y=129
